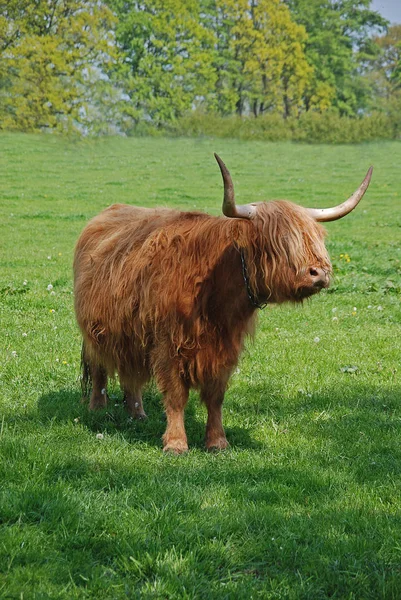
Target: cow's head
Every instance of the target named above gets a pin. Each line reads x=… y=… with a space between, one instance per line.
x=286 y=258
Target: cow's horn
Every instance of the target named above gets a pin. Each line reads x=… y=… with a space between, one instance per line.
x=336 y=212
x=230 y=209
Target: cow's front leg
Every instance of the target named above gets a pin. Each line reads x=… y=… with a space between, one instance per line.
x=212 y=394
x=175 y=398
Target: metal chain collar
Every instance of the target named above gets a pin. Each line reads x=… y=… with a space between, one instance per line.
x=251 y=296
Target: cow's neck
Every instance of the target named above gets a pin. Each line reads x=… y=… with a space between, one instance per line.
x=228 y=297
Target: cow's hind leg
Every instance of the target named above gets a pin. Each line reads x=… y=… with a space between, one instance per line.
x=133 y=403
x=94 y=379
x=212 y=394
x=99 y=396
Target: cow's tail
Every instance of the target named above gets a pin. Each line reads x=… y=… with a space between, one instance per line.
x=86 y=379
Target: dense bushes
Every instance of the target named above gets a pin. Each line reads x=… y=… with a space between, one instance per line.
x=311 y=127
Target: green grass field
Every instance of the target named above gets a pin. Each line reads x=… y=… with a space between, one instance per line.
x=306 y=502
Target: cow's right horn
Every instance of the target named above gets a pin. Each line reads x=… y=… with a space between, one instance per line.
x=230 y=209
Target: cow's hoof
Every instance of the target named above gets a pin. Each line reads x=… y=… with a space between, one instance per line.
x=217 y=444
x=141 y=416
x=97 y=402
x=175 y=447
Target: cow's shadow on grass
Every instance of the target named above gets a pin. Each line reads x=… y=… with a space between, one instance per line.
x=67 y=406
x=353 y=418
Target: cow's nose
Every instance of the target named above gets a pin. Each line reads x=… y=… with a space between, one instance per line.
x=320 y=278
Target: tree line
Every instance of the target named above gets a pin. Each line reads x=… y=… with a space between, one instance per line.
x=116 y=65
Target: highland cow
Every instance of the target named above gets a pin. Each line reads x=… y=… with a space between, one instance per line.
x=172 y=295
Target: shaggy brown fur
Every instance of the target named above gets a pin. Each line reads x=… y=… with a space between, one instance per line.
x=161 y=293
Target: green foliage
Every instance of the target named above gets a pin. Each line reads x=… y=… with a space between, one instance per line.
x=51 y=57
x=306 y=502
x=334 y=129
x=310 y=127
x=167 y=57
x=385 y=72
x=245 y=57
x=226 y=55
x=338 y=43
x=114 y=66
x=259 y=57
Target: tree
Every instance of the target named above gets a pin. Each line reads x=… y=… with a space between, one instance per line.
x=224 y=55
x=338 y=44
x=259 y=56
x=386 y=65
x=384 y=73
x=167 y=57
x=53 y=55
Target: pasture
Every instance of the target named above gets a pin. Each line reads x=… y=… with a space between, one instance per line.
x=306 y=502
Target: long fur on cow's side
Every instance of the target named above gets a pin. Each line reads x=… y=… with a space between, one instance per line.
x=162 y=291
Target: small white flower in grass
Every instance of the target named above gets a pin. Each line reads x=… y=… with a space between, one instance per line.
x=316 y=340
x=379 y=308
x=52 y=293
x=76 y=420
x=370 y=306
x=25 y=282
x=354 y=308
x=334 y=319
x=349 y=369
x=49 y=287
x=334 y=309
x=14 y=353
x=99 y=436
x=24 y=334
x=49 y=258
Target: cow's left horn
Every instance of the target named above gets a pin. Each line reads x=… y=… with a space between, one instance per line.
x=230 y=209
x=336 y=212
